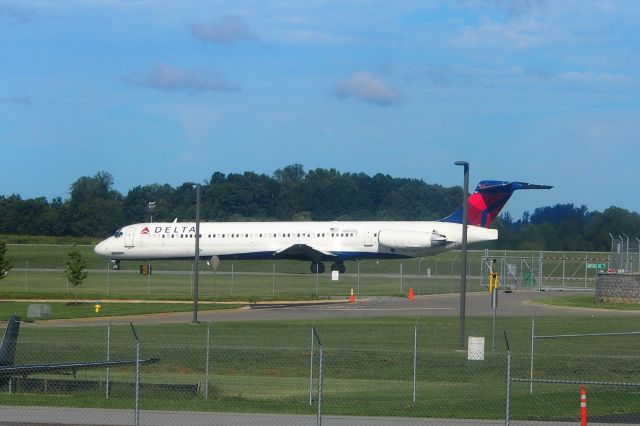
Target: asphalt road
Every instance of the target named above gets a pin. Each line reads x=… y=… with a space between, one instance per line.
x=517 y=303
x=51 y=416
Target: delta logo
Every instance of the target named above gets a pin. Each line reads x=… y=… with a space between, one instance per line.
x=145 y=230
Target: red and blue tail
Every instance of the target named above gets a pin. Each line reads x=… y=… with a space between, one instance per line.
x=488 y=199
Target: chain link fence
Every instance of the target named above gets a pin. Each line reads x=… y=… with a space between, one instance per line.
x=38 y=272
x=304 y=373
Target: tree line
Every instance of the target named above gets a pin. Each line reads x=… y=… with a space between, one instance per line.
x=95 y=209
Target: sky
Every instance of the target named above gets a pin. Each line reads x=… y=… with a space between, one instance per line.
x=539 y=91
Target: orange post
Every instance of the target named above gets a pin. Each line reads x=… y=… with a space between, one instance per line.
x=352 y=298
x=583 y=406
x=411 y=294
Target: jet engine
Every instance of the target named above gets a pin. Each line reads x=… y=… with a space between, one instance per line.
x=400 y=239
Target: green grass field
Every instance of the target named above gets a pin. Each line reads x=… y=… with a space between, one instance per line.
x=38 y=273
x=264 y=367
x=587 y=301
x=62 y=310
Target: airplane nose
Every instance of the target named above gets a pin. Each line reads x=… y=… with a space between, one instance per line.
x=101 y=249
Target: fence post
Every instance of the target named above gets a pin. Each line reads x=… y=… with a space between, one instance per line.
x=206 y=364
x=107 y=379
x=137 y=386
x=508 y=397
x=311 y=366
x=232 y=278
x=415 y=358
x=273 y=279
x=320 y=370
x=533 y=339
x=401 y=274
x=541 y=273
x=358 y=263
x=26 y=277
x=319 y=416
x=585 y=269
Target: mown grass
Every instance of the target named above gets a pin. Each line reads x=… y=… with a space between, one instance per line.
x=264 y=366
x=587 y=301
x=62 y=310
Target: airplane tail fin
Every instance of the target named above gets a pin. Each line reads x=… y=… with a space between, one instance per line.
x=487 y=200
x=10 y=341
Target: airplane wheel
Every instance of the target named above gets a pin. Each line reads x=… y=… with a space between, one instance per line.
x=317 y=268
x=338 y=266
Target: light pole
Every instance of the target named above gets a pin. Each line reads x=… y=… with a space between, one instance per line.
x=463 y=267
x=197 y=250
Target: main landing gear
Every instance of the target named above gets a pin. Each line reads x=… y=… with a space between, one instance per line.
x=338 y=266
x=318 y=267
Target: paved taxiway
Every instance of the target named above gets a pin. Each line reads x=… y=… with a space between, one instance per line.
x=517 y=303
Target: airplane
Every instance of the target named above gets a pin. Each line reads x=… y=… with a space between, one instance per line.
x=313 y=241
x=9 y=369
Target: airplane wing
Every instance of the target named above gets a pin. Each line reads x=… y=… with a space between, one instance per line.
x=70 y=367
x=303 y=252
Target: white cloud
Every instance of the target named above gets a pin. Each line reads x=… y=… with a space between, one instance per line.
x=520 y=34
x=365 y=87
x=165 y=77
x=226 y=30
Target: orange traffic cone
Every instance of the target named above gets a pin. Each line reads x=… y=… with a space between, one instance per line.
x=411 y=294
x=583 y=406
x=352 y=298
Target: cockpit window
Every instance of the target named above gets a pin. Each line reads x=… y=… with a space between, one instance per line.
x=118 y=233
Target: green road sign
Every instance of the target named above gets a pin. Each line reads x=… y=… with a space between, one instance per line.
x=596 y=265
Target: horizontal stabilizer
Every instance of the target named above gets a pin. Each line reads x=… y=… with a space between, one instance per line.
x=493 y=186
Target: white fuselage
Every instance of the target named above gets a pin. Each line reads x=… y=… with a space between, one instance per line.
x=268 y=240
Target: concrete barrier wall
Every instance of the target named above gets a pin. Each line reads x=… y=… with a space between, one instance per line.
x=618 y=288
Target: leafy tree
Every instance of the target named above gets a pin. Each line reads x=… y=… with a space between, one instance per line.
x=5 y=265
x=95 y=208
x=75 y=271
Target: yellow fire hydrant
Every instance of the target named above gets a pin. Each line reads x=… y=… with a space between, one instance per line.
x=98 y=306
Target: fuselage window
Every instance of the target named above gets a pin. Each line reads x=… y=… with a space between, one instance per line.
x=246 y=235
x=222 y=235
x=260 y=235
